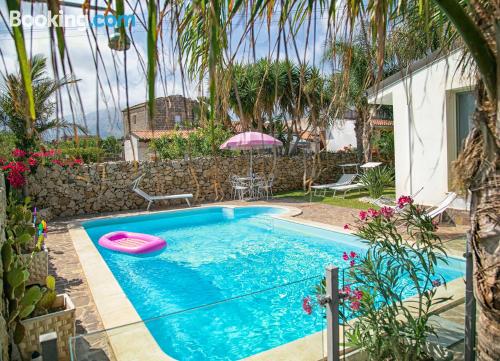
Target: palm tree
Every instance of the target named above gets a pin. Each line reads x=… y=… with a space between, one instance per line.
x=355 y=74
x=13 y=105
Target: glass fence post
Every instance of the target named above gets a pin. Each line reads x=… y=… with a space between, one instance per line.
x=332 y=313
x=470 y=305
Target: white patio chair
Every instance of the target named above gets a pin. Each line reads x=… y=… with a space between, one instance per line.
x=239 y=188
x=151 y=199
x=266 y=186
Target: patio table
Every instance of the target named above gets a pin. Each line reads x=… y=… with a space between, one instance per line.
x=252 y=183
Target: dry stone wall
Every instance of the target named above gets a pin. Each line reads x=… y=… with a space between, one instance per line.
x=106 y=187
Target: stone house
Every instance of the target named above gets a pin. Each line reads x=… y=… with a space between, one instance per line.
x=171 y=113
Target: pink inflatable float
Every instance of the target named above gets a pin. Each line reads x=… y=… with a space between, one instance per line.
x=134 y=243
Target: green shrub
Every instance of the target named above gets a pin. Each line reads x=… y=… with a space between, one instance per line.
x=197 y=143
x=377 y=179
x=88 y=155
x=112 y=147
x=7 y=143
x=385 y=145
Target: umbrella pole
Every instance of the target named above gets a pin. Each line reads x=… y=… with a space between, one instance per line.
x=251 y=163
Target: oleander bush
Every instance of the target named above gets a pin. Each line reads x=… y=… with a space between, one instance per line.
x=402 y=259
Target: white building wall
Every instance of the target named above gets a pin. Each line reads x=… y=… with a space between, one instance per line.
x=140 y=149
x=341 y=134
x=424 y=128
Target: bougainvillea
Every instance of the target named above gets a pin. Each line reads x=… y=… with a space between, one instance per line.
x=22 y=163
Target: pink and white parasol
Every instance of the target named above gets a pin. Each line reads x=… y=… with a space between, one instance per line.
x=250 y=141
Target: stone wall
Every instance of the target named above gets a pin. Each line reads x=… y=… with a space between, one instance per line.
x=4 y=338
x=106 y=187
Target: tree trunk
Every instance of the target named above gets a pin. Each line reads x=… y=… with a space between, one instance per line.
x=485 y=209
x=367 y=137
x=477 y=167
x=358 y=130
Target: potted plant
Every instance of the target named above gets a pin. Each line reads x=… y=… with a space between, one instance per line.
x=29 y=238
x=31 y=310
x=52 y=313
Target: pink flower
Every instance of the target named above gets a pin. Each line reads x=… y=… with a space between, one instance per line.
x=57 y=161
x=78 y=161
x=355 y=305
x=346 y=226
x=358 y=295
x=373 y=213
x=352 y=263
x=18 y=153
x=347 y=290
x=353 y=254
x=387 y=212
x=345 y=257
x=306 y=305
x=436 y=283
x=363 y=215
x=31 y=161
x=404 y=200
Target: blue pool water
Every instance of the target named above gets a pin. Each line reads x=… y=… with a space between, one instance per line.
x=218 y=253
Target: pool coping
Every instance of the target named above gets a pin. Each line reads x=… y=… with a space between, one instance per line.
x=126 y=331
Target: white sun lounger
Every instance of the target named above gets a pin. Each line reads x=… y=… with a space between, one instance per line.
x=151 y=199
x=386 y=202
x=345 y=179
x=442 y=206
x=347 y=188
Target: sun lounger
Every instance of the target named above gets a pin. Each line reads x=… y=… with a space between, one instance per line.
x=387 y=202
x=441 y=207
x=347 y=188
x=151 y=199
x=345 y=179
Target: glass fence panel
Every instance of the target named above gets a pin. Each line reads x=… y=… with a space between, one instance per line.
x=446 y=333
x=279 y=320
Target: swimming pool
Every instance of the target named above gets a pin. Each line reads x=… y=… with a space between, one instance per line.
x=216 y=253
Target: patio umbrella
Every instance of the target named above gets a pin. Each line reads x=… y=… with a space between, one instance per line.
x=250 y=141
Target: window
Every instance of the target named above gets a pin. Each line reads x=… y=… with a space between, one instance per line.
x=134 y=119
x=466 y=103
x=177 y=119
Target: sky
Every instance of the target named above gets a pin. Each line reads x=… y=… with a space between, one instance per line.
x=113 y=96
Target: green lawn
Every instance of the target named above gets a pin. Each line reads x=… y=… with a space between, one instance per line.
x=350 y=201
